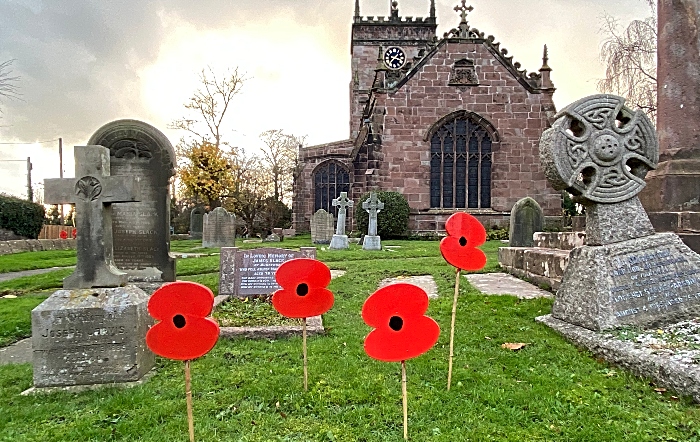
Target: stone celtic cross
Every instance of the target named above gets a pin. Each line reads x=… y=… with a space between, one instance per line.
x=342 y=203
x=93 y=191
x=372 y=206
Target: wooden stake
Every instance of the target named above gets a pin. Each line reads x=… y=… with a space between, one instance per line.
x=405 y=400
x=188 y=393
x=452 y=331
x=306 y=373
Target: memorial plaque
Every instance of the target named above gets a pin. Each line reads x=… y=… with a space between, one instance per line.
x=252 y=272
x=141 y=230
x=91 y=336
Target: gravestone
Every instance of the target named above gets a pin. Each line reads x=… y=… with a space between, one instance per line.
x=372 y=241
x=196 y=222
x=321 y=227
x=141 y=230
x=252 y=272
x=526 y=218
x=626 y=274
x=93 y=331
x=340 y=239
x=219 y=229
x=93 y=191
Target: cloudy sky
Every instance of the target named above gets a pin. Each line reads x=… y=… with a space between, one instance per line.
x=84 y=63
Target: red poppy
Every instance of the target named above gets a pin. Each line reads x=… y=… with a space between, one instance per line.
x=184 y=331
x=303 y=293
x=63 y=234
x=401 y=330
x=459 y=248
x=74 y=233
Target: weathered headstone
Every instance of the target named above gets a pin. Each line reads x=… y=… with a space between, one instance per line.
x=91 y=336
x=93 y=191
x=141 y=230
x=321 y=227
x=252 y=272
x=340 y=239
x=372 y=241
x=93 y=331
x=526 y=218
x=272 y=237
x=196 y=222
x=219 y=229
x=627 y=274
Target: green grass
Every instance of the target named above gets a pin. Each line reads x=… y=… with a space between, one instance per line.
x=15 y=313
x=250 y=312
x=247 y=390
x=37 y=260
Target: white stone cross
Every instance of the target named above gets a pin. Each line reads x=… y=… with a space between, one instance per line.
x=373 y=206
x=342 y=203
x=93 y=191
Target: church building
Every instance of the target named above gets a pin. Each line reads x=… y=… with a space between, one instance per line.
x=451 y=123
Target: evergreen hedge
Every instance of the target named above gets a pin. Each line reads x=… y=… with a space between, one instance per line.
x=23 y=217
x=392 y=221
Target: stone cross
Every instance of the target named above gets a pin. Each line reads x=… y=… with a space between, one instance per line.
x=93 y=191
x=342 y=203
x=464 y=10
x=372 y=206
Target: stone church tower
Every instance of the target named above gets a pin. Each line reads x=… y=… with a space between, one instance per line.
x=452 y=123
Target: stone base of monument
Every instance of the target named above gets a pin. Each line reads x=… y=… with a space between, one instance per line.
x=339 y=242
x=372 y=243
x=91 y=336
x=646 y=363
x=644 y=282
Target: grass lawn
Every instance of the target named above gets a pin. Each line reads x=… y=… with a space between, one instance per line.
x=252 y=390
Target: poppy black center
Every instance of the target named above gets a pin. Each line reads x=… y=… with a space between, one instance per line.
x=302 y=289
x=395 y=323
x=179 y=321
x=462 y=241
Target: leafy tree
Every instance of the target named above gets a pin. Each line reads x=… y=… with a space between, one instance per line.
x=53 y=216
x=206 y=172
x=280 y=159
x=629 y=56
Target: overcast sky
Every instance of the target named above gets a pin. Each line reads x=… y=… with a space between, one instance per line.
x=84 y=63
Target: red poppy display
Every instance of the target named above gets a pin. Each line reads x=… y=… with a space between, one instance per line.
x=63 y=234
x=459 y=248
x=401 y=330
x=303 y=293
x=74 y=233
x=184 y=331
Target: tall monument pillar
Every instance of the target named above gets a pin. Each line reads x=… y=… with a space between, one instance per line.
x=672 y=194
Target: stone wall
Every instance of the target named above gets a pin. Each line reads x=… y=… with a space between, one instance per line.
x=35 y=245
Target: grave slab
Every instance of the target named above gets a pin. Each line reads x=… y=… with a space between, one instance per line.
x=426 y=282
x=504 y=284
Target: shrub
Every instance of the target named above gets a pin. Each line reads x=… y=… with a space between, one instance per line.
x=23 y=217
x=496 y=234
x=392 y=221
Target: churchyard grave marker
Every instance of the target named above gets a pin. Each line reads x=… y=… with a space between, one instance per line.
x=252 y=272
x=626 y=274
x=196 y=222
x=526 y=218
x=141 y=230
x=321 y=227
x=340 y=239
x=372 y=241
x=219 y=229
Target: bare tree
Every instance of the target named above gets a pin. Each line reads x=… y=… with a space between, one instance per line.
x=280 y=157
x=629 y=56
x=209 y=105
x=8 y=86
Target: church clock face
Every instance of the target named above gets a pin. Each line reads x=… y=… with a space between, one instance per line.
x=394 y=58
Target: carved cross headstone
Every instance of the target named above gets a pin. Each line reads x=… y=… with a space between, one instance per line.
x=372 y=206
x=93 y=191
x=342 y=203
x=600 y=150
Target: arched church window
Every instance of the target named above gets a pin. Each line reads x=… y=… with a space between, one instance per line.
x=330 y=179
x=460 y=164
